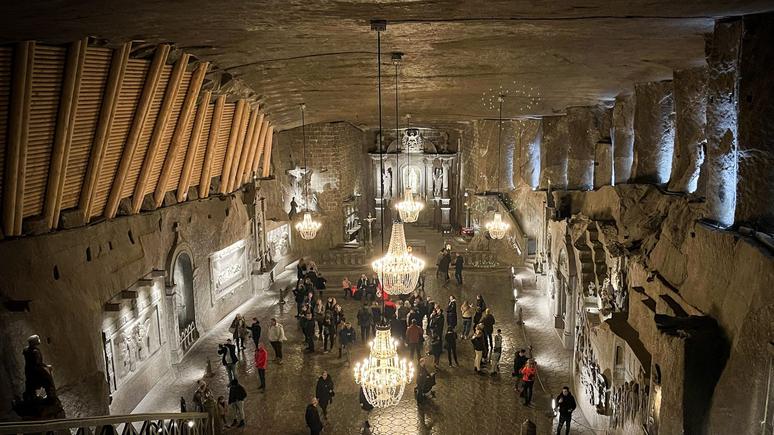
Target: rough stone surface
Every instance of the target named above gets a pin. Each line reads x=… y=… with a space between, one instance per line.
x=553 y=153
x=583 y=137
x=653 y=132
x=623 y=138
x=690 y=95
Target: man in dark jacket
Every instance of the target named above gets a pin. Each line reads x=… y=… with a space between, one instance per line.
x=364 y=319
x=308 y=328
x=443 y=267
x=236 y=398
x=565 y=402
x=346 y=339
x=451 y=346
x=313 y=420
x=451 y=313
x=255 y=331
x=519 y=361
x=436 y=323
x=414 y=339
x=458 y=262
x=229 y=358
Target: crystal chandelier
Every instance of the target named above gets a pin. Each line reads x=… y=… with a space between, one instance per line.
x=497 y=227
x=408 y=208
x=382 y=376
x=398 y=269
x=308 y=227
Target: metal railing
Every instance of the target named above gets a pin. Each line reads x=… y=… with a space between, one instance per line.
x=188 y=336
x=187 y=423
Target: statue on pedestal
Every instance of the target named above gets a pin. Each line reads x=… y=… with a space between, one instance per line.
x=37 y=376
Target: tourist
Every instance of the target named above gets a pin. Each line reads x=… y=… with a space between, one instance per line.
x=301 y=270
x=300 y=295
x=364 y=404
x=458 y=262
x=488 y=322
x=346 y=287
x=414 y=316
x=467 y=318
x=318 y=313
x=497 y=352
x=236 y=399
x=444 y=267
x=328 y=331
x=362 y=285
x=229 y=358
x=238 y=330
x=528 y=374
x=478 y=347
x=321 y=283
x=312 y=417
x=414 y=335
x=276 y=337
x=403 y=322
x=376 y=316
x=346 y=339
x=436 y=348
x=37 y=374
x=261 y=357
x=519 y=361
x=480 y=307
x=307 y=326
x=451 y=346
x=425 y=382
x=255 y=331
x=565 y=403
x=364 y=319
x=222 y=410
x=311 y=274
x=202 y=395
x=373 y=285
x=438 y=260
x=451 y=312
x=324 y=392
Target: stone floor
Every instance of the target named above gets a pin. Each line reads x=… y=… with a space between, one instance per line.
x=465 y=403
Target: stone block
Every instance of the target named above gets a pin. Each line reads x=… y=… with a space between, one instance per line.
x=653 y=132
x=690 y=99
x=603 y=164
x=622 y=136
x=553 y=153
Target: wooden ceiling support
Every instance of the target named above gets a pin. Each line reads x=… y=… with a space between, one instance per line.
x=193 y=147
x=240 y=156
x=63 y=136
x=162 y=123
x=261 y=145
x=267 y=153
x=212 y=142
x=246 y=165
x=18 y=130
x=177 y=145
x=233 y=138
x=138 y=124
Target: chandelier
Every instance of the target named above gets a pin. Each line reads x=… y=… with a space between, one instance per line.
x=408 y=208
x=399 y=269
x=308 y=227
x=497 y=227
x=382 y=376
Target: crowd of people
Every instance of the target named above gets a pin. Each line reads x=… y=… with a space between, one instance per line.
x=424 y=328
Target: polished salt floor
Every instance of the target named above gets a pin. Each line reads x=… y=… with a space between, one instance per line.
x=466 y=403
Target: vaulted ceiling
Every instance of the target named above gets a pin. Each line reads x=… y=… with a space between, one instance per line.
x=458 y=53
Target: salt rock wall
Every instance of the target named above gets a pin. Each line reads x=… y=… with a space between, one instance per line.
x=68 y=276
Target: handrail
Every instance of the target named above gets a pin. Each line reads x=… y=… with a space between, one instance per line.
x=178 y=423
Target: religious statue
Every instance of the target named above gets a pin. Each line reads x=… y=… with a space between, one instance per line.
x=37 y=374
x=387 y=180
x=293 y=208
x=411 y=179
x=437 y=182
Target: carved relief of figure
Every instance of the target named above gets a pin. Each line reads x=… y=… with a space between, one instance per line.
x=443 y=147
x=387 y=194
x=411 y=179
x=293 y=208
x=437 y=182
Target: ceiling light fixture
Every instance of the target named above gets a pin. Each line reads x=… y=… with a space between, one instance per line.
x=408 y=208
x=497 y=227
x=308 y=227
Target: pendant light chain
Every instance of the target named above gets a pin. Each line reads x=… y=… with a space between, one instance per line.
x=381 y=148
x=306 y=166
x=499 y=141
x=397 y=128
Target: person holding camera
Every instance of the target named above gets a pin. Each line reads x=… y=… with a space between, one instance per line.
x=229 y=358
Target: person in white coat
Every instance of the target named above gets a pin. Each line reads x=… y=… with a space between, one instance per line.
x=276 y=337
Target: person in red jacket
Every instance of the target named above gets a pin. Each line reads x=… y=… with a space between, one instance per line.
x=261 y=357
x=528 y=374
x=414 y=335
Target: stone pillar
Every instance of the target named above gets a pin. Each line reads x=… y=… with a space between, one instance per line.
x=530 y=141
x=755 y=192
x=722 y=97
x=582 y=140
x=653 y=132
x=623 y=138
x=553 y=153
x=690 y=94
x=603 y=164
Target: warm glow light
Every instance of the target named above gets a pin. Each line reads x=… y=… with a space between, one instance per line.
x=398 y=269
x=497 y=227
x=308 y=227
x=409 y=208
x=382 y=375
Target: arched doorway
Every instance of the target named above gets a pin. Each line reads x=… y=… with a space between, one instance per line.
x=185 y=307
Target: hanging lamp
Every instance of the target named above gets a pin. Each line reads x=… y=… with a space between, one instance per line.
x=408 y=208
x=308 y=227
x=497 y=227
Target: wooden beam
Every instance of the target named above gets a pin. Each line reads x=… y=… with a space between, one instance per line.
x=261 y=145
x=233 y=137
x=193 y=147
x=249 y=121
x=248 y=161
x=104 y=124
x=212 y=143
x=63 y=136
x=162 y=122
x=135 y=131
x=177 y=145
x=18 y=129
x=267 y=153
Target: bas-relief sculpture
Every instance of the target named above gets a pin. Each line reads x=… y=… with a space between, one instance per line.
x=595 y=385
x=131 y=346
x=295 y=190
x=228 y=269
x=278 y=240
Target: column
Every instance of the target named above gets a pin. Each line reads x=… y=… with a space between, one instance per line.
x=445 y=200
x=530 y=142
x=553 y=153
x=653 y=132
x=623 y=138
x=581 y=145
x=690 y=94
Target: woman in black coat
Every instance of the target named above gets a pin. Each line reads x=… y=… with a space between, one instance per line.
x=324 y=392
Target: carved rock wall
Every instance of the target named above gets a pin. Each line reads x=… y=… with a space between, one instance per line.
x=653 y=132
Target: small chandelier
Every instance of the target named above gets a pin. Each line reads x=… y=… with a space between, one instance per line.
x=382 y=376
x=398 y=269
x=308 y=227
x=408 y=208
x=497 y=227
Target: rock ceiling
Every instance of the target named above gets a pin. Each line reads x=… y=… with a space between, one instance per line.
x=457 y=53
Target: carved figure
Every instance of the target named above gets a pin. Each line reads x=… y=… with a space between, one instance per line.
x=37 y=374
x=437 y=182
